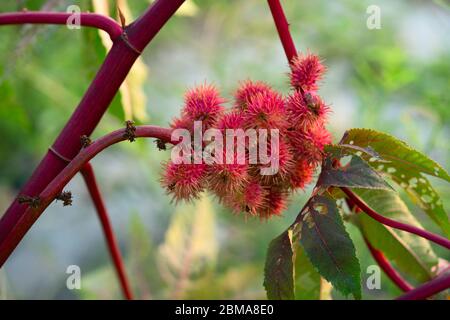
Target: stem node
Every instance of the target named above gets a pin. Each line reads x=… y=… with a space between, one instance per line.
x=33 y=202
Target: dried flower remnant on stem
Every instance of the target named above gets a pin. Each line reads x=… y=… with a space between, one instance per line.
x=130 y=131
x=65 y=197
x=85 y=141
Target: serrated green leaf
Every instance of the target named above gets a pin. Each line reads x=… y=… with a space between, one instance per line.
x=396 y=152
x=278 y=270
x=412 y=255
x=328 y=245
x=403 y=165
x=353 y=172
x=309 y=285
x=422 y=193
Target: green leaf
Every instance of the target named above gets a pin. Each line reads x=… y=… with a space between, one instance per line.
x=309 y=285
x=328 y=245
x=422 y=193
x=411 y=254
x=393 y=150
x=404 y=165
x=353 y=172
x=278 y=270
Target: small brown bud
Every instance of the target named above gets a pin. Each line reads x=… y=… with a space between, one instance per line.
x=161 y=145
x=85 y=141
x=65 y=197
x=130 y=131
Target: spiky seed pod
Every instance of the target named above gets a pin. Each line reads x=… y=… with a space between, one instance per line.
x=309 y=145
x=230 y=120
x=224 y=178
x=254 y=195
x=184 y=181
x=300 y=119
x=182 y=123
x=304 y=147
x=250 y=200
x=266 y=111
x=275 y=203
x=203 y=103
x=303 y=110
x=234 y=120
x=301 y=175
x=306 y=71
x=282 y=151
x=247 y=90
x=319 y=135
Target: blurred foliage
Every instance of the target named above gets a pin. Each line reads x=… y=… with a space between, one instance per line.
x=395 y=79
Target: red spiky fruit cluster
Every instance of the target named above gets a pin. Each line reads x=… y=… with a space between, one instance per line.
x=300 y=118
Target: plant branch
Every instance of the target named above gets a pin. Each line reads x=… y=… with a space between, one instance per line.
x=395 y=224
x=89 y=177
x=283 y=29
x=381 y=259
x=438 y=284
x=86 y=19
x=15 y=235
x=388 y=268
x=89 y=112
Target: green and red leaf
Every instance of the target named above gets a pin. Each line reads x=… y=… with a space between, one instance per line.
x=328 y=245
x=278 y=271
x=404 y=165
x=412 y=255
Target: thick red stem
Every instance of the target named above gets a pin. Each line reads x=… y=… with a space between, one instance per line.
x=30 y=215
x=388 y=268
x=381 y=259
x=86 y=19
x=395 y=224
x=86 y=117
x=438 y=284
x=283 y=29
x=89 y=177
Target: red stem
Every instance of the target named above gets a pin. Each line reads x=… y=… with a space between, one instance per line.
x=91 y=183
x=388 y=268
x=395 y=224
x=283 y=29
x=15 y=235
x=381 y=259
x=438 y=284
x=86 y=117
x=86 y=19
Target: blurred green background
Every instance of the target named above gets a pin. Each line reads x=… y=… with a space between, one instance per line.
x=395 y=79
